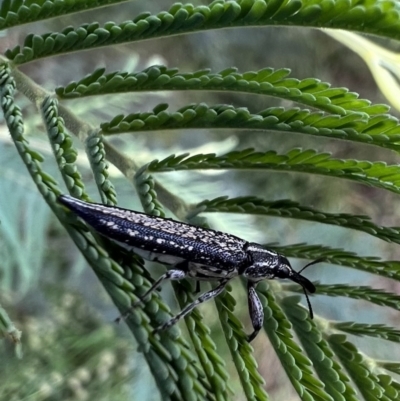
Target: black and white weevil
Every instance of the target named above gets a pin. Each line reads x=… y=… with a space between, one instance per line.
x=193 y=252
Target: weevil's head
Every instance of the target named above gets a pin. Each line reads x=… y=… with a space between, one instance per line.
x=284 y=270
x=266 y=264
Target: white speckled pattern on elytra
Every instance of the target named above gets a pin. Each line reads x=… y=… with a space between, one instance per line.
x=162 y=236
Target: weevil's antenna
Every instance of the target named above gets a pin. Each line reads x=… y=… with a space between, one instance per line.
x=311 y=263
x=307 y=284
x=308 y=303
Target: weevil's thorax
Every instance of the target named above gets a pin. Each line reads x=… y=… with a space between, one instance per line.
x=265 y=264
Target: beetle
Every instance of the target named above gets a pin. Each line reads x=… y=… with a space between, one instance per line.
x=193 y=252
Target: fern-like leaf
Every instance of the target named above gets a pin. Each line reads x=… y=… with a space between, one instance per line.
x=370 y=264
x=268 y=81
x=184 y=18
x=295 y=362
x=290 y=209
x=17 y=12
x=377 y=297
x=380 y=130
x=371 y=330
x=337 y=383
x=62 y=147
x=376 y=174
x=241 y=351
x=372 y=386
x=97 y=158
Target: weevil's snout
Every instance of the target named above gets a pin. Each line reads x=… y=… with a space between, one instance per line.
x=284 y=270
x=304 y=282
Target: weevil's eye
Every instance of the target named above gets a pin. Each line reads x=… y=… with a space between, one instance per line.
x=283 y=270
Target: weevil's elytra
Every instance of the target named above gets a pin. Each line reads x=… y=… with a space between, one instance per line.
x=195 y=252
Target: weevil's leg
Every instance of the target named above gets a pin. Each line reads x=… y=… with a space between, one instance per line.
x=255 y=309
x=197 y=289
x=172 y=274
x=178 y=272
x=202 y=298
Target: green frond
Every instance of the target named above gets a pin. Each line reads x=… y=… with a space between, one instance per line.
x=268 y=81
x=380 y=130
x=18 y=12
x=241 y=351
x=371 y=330
x=378 y=297
x=63 y=149
x=296 y=364
x=46 y=184
x=207 y=353
x=379 y=18
x=379 y=174
x=290 y=209
x=97 y=158
x=337 y=383
x=369 y=264
x=146 y=188
x=372 y=386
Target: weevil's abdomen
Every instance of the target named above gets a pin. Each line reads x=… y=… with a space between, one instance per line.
x=162 y=236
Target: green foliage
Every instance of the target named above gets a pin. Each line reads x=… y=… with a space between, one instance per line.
x=371 y=385
x=241 y=352
x=374 y=296
x=268 y=81
x=296 y=364
x=290 y=209
x=380 y=18
x=96 y=154
x=17 y=12
x=373 y=330
x=376 y=174
x=370 y=264
x=380 y=130
x=318 y=359
x=337 y=382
